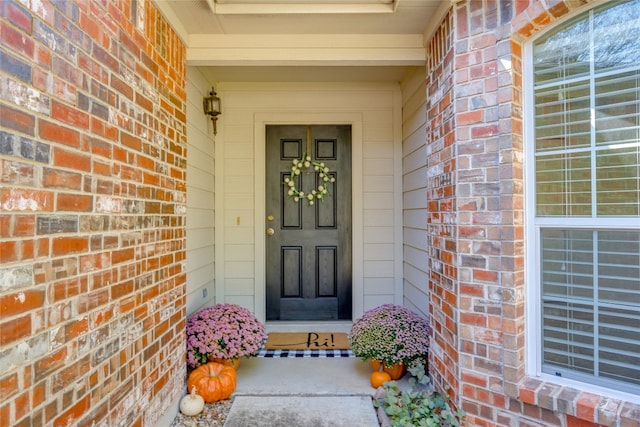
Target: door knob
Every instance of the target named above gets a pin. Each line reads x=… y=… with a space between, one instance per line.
x=270 y=231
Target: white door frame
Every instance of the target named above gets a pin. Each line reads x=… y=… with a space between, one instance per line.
x=261 y=120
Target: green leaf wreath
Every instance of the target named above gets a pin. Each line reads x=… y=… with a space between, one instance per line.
x=297 y=167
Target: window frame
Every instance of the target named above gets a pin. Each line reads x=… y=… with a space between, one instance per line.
x=534 y=225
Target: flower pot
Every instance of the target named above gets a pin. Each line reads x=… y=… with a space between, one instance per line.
x=234 y=363
x=395 y=371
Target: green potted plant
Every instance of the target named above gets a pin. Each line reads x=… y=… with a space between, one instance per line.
x=392 y=335
x=415 y=405
x=223 y=332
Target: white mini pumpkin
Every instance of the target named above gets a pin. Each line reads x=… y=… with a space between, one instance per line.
x=192 y=404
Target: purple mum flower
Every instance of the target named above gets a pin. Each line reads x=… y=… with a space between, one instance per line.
x=223 y=331
x=390 y=333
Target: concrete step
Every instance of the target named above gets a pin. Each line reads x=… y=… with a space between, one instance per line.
x=303 y=392
x=302 y=411
x=303 y=376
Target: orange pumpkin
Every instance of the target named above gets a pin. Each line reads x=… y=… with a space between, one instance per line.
x=378 y=378
x=395 y=371
x=234 y=363
x=213 y=381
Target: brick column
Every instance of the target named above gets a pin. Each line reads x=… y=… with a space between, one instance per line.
x=475 y=155
x=490 y=208
x=442 y=228
x=92 y=213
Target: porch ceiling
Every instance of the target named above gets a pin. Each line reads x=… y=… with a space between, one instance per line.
x=304 y=40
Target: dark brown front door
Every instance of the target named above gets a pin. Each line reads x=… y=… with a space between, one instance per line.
x=308 y=247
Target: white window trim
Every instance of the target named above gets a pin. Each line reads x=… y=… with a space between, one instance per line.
x=533 y=341
x=533 y=331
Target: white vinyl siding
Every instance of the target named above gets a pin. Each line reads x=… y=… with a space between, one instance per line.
x=375 y=110
x=200 y=197
x=414 y=181
x=587 y=196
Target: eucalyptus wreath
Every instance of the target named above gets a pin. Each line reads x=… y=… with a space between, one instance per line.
x=300 y=165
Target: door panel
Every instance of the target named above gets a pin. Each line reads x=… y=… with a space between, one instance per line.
x=309 y=251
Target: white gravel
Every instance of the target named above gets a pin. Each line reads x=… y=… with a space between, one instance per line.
x=213 y=415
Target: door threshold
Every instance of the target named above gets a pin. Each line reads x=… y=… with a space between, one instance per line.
x=308 y=326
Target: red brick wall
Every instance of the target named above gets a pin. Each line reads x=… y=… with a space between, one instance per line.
x=92 y=213
x=475 y=196
x=489 y=191
x=441 y=216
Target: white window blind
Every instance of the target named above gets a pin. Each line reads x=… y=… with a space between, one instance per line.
x=590 y=300
x=587 y=183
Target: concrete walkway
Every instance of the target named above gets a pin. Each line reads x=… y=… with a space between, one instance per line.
x=303 y=392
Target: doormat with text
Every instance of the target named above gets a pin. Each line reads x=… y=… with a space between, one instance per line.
x=307 y=341
x=306 y=344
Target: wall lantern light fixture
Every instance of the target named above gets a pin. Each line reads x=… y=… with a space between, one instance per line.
x=211 y=106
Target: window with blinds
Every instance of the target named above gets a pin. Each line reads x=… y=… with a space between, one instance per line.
x=587 y=196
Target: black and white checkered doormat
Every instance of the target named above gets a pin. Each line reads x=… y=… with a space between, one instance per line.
x=305 y=353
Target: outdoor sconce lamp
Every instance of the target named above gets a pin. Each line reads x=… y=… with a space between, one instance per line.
x=211 y=106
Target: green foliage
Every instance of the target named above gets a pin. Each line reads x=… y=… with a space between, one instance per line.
x=418 y=406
